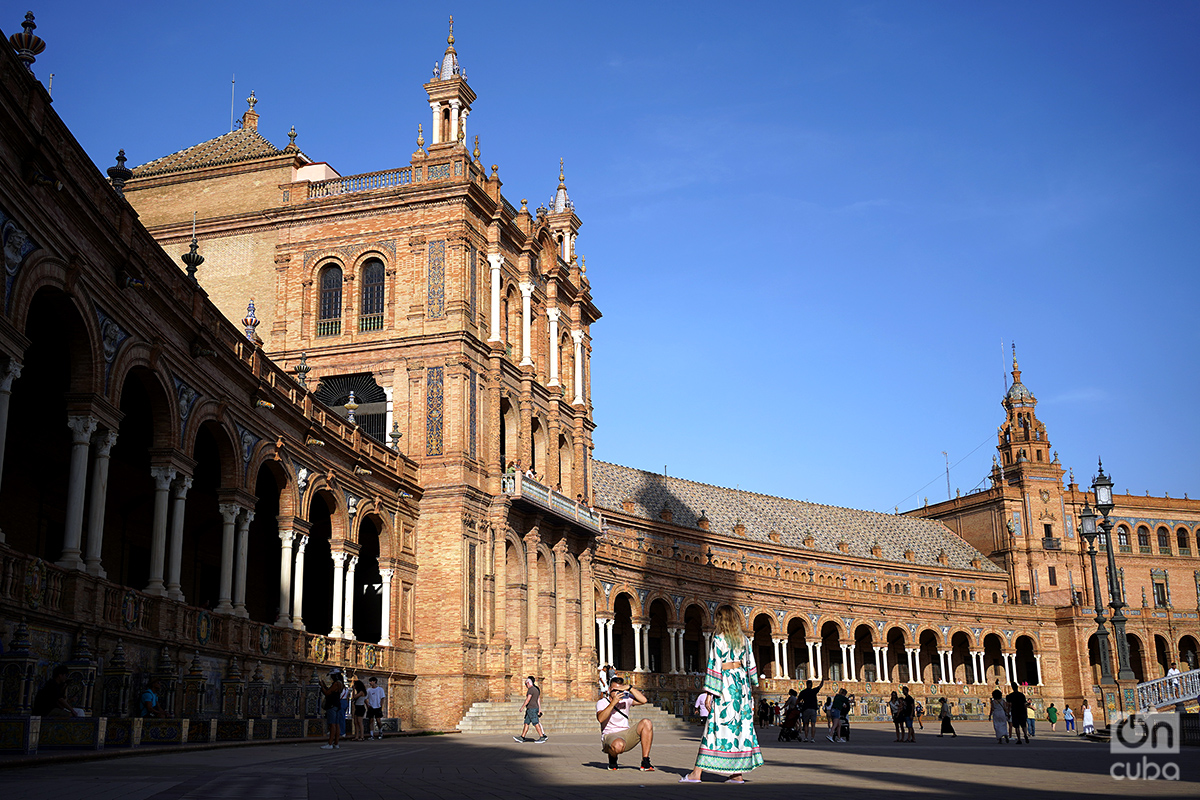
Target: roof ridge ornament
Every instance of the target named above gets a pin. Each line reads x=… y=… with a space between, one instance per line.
x=27 y=45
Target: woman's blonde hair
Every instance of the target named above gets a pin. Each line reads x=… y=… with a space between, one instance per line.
x=729 y=625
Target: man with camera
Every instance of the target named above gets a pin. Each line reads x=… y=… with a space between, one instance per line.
x=616 y=736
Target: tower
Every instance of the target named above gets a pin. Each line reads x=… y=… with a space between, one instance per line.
x=1024 y=451
x=450 y=99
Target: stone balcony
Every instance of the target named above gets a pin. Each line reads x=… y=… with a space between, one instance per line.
x=527 y=490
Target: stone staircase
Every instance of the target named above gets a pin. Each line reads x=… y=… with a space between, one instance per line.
x=558 y=717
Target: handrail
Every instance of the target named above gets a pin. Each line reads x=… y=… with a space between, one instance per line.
x=1169 y=690
x=360 y=183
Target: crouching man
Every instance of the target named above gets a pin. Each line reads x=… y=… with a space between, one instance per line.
x=616 y=735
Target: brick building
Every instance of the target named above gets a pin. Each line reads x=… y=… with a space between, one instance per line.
x=436 y=338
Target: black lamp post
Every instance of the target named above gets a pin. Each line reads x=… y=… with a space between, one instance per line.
x=1087 y=521
x=1102 y=486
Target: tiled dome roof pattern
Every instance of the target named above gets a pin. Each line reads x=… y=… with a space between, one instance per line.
x=794 y=520
x=243 y=144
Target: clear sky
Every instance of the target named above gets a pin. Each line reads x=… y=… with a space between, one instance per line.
x=809 y=225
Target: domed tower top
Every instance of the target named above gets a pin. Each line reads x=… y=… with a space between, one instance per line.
x=1022 y=439
x=1017 y=392
x=450 y=99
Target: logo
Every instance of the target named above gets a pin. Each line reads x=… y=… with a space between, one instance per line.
x=1145 y=734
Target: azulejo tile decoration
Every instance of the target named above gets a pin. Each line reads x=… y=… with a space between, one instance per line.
x=437 y=279
x=433 y=411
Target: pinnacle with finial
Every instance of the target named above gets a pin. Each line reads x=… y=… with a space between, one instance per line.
x=1014 y=347
x=475 y=153
x=561 y=176
x=292 y=137
x=420 y=137
x=252 y=100
x=450 y=38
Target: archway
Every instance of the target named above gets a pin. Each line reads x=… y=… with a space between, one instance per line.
x=798 y=649
x=514 y=594
x=58 y=361
x=1094 y=663
x=695 y=658
x=200 y=573
x=658 y=658
x=864 y=655
x=1026 y=662
x=831 y=649
x=961 y=663
x=368 y=583
x=764 y=647
x=1137 y=659
x=623 y=655
x=547 y=600
x=129 y=502
x=928 y=668
x=537 y=454
x=317 y=605
x=1187 y=654
x=1162 y=654
x=510 y=426
x=993 y=660
x=566 y=466
x=262 y=546
x=896 y=657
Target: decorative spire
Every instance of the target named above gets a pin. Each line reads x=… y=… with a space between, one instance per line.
x=292 y=137
x=191 y=258
x=27 y=45
x=117 y=660
x=252 y=100
x=450 y=38
x=561 y=201
x=561 y=179
x=449 y=67
x=120 y=173
x=351 y=406
x=475 y=152
x=250 y=321
x=420 y=138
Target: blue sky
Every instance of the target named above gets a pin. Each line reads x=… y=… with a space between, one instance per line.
x=809 y=225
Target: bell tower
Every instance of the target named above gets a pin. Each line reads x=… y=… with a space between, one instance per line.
x=450 y=99
x=1023 y=447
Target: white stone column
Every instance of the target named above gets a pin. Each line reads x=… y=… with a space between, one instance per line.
x=103 y=442
x=577 y=337
x=82 y=429
x=786 y=660
x=600 y=641
x=811 y=666
x=637 y=647
x=385 y=631
x=179 y=491
x=610 y=624
x=908 y=663
x=853 y=663
x=435 y=129
x=682 y=654
x=526 y=316
x=10 y=372
x=163 y=477
x=980 y=678
x=286 y=536
x=553 y=314
x=495 y=261
x=348 y=626
x=229 y=514
x=1037 y=658
x=298 y=592
x=453 y=120
x=674 y=665
x=339 y=559
x=239 y=574
x=881 y=664
x=707 y=649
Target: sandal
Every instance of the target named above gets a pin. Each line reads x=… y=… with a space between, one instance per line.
x=735 y=780
x=686 y=779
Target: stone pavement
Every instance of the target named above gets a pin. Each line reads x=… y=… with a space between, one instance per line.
x=454 y=766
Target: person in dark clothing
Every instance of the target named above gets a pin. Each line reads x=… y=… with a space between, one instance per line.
x=909 y=704
x=810 y=703
x=1018 y=709
x=51 y=699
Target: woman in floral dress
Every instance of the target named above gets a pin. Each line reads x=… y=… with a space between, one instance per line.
x=729 y=745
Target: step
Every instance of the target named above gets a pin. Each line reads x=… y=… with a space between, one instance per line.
x=559 y=716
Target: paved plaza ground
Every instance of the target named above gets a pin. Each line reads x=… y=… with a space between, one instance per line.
x=456 y=766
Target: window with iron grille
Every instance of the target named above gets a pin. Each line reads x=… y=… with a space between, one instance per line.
x=329 y=310
x=371 y=314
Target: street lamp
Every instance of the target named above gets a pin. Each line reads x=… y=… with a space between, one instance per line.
x=1102 y=486
x=1087 y=521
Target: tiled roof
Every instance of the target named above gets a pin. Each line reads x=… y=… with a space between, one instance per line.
x=792 y=519
x=244 y=144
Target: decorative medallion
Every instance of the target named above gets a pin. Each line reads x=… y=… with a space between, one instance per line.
x=204 y=626
x=129 y=609
x=370 y=656
x=264 y=639
x=112 y=337
x=17 y=247
x=320 y=649
x=186 y=397
x=35 y=583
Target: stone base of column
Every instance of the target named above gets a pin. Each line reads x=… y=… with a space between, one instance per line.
x=92 y=567
x=337 y=633
x=71 y=561
x=223 y=607
x=155 y=588
x=284 y=621
x=297 y=624
x=240 y=611
x=175 y=592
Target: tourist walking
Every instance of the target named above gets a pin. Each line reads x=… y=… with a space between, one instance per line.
x=999 y=714
x=1018 y=710
x=729 y=745
x=944 y=716
x=533 y=712
x=1089 y=724
x=809 y=703
x=375 y=698
x=909 y=708
x=920 y=712
x=1068 y=719
x=702 y=708
x=1052 y=717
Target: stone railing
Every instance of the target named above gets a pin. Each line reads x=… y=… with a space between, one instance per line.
x=360 y=183
x=518 y=486
x=1169 y=691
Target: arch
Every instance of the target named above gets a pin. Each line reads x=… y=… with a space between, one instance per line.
x=929 y=669
x=136 y=359
x=622 y=630
x=830 y=650
x=896 y=658
x=566 y=362
x=865 y=668
x=1163 y=534
x=1162 y=655
x=1188 y=650
x=993 y=660
x=1123 y=538
x=537 y=450
x=1183 y=542
x=368 y=583
x=207 y=416
x=267 y=456
x=659 y=616
x=1137 y=661
x=329 y=299
x=515 y=589
x=962 y=665
x=318 y=577
x=566 y=465
x=262 y=544
x=1143 y=537
x=796 y=627
x=762 y=635
x=1025 y=657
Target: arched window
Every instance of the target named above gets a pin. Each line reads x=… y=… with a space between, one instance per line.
x=922 y=591
x=1164 y=540
x=1123 y=539
x=370 y=315
x=1181 y=538
x=329 y=316
x=972 y=595
x=1143 y=534
x=995 y=597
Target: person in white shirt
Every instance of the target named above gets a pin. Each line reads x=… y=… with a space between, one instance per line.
x=616 y=736
x=702 y=708
x=375 y=697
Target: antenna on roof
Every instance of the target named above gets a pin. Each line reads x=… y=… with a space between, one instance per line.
x=50 y=88
x=1003 y=374
x=947 y=456
x=232 y=100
